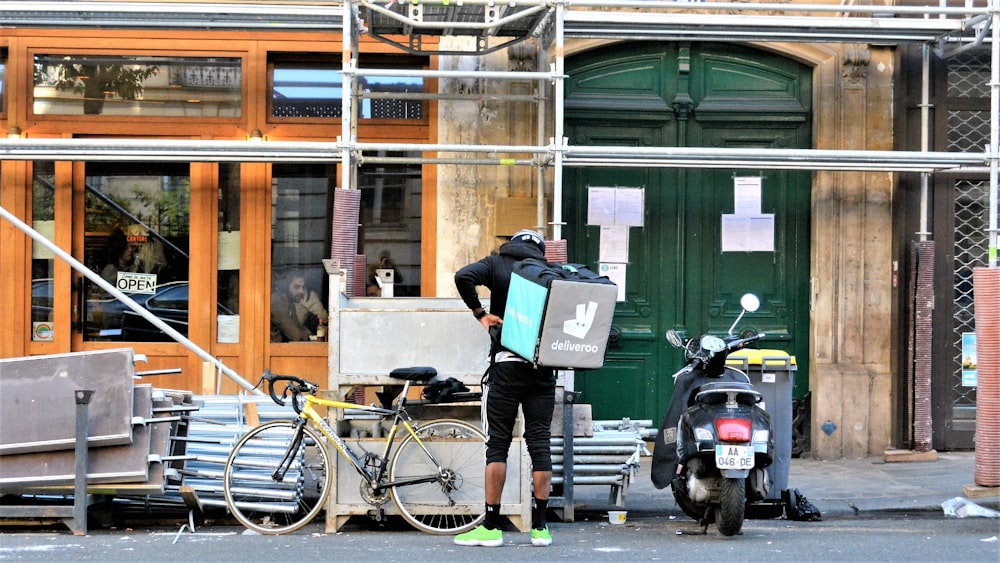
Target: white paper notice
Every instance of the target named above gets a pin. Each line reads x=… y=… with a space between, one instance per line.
x=614 y=244
x=601 y=206
x=615 y=206
x=229 y=250
x=616 y=273
x=748 y=233
x=628 y=207
x=229 y=328
x=746 y=195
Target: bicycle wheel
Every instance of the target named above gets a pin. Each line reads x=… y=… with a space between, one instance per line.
x=455 y=501
x=270 y=505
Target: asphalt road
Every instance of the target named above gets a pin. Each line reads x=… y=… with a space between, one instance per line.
x=890 y=537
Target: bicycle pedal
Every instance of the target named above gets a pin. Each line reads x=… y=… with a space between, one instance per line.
x=377 y=514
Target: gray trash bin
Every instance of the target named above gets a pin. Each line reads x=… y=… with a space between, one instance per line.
x=772 y=372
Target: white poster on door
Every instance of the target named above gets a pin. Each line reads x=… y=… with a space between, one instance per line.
x=746 y=195
x=748 y=233
x=621 y=207
x=614 y=244
x=615 y=273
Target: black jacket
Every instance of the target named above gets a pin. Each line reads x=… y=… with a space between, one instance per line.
x=493 y=272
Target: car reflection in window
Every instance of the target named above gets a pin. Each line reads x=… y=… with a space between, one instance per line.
x=41 y=300
x=170 y=304
x=113 y=320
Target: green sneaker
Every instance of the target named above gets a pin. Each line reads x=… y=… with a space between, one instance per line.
x=482 y=536
x=541 y=538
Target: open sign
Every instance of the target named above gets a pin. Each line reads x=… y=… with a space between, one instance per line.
x=132 y=282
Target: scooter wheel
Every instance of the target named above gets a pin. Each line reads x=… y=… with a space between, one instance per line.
x=733 y=502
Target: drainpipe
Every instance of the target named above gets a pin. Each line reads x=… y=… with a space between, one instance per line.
x=922 y=304
x=103 y=284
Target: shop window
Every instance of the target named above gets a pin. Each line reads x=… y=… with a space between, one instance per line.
x=42 y=260
x=391 y=205
x=3 y=81
x=137 y=231
x=305 y=88
x=301 y=210
x=229 y=253
x=137 y=86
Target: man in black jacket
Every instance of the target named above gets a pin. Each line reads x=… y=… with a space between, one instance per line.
x=510 y=382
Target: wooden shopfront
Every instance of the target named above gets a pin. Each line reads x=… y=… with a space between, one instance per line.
x=204 y=244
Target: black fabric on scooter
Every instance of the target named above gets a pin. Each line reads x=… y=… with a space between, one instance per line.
x=664 y=464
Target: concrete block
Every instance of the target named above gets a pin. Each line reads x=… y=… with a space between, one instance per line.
x=891 y=456
x=583 y=421
x=979 y=491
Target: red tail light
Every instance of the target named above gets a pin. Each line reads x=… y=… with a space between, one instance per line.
x=733 y=429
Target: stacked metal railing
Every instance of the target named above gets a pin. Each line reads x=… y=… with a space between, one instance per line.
x=221 y=421
x=197 y=473
x=609 y=457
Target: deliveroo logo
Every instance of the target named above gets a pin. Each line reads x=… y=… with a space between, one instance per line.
x=580 y=326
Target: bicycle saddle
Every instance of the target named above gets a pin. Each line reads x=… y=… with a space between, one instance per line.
x=420 y=374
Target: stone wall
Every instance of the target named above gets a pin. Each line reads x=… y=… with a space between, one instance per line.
x=852 y=260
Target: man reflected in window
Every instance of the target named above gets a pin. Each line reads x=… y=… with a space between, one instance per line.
x=290 y=292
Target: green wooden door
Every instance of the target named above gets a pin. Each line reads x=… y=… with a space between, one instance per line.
x=681 y=273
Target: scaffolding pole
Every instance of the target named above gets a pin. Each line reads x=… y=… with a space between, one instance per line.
x=558 y=137
x=186 y=150
x=955 y=28
x=994 y=148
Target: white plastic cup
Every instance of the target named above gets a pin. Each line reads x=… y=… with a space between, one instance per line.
x=617 y=517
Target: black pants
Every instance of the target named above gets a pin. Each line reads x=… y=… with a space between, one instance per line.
x=509 y=385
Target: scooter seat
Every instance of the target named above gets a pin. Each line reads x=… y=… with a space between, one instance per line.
x=716 y=393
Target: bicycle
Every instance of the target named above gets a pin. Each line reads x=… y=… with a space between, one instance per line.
x=277 y=477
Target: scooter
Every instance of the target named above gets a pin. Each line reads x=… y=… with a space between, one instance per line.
x=715 y=440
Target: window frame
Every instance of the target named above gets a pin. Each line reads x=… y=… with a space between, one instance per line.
x=367 y=60
x=57 y=50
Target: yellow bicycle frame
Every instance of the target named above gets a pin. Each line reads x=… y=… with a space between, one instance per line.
x=310 y=413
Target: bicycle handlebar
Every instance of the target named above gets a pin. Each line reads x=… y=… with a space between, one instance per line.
x=296 y=385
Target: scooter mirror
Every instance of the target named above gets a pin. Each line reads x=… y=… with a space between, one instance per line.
x=750 y=302
x=674 y=339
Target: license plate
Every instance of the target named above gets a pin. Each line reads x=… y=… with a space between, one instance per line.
x=733 y=457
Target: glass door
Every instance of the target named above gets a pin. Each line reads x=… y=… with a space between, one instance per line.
x=136 y=230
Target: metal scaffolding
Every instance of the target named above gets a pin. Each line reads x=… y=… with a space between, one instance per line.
x=498 y=24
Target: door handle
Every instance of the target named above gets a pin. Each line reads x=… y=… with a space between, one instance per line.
x=79 y=314
x=615 y=337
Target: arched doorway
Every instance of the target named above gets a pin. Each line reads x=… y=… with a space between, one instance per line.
x=680 y=271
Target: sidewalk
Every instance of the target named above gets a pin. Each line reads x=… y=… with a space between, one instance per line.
x=838 y=488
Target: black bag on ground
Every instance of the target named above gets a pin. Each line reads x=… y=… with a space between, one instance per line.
x=797 y=507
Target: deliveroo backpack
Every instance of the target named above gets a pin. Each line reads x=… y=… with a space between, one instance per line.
x=558 y=315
